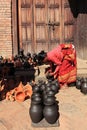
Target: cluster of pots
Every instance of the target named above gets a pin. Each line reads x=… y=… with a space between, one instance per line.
x=44 y=103
x=81 y=84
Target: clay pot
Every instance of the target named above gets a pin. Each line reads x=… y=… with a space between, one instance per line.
x=36 y=100
x=36 y=88
x=20 y=96
x=48 y=87
x=84 y=86
x=50 y=93
x=78 y=83
x=36 y=112
x=51 y=113
x=54 y=88
x=43 y=87
x=49 y=100
x=10 y=95
x=56 y=84
x=28 y=90
x=34 y=95
x=19 y=93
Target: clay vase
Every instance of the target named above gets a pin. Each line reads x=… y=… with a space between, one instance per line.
x=84 y=86
x=51 y=113
x=36 y=109
x=36 y=88
x=19 y=93
x=36 y=98
x=20 y=96
x=43 y=87
x=54 y=88
x=28 y=90
x=48 y=87
x=49 y=100
x=56 y=84
x=78 y=83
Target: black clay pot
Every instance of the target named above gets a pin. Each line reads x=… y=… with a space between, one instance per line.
x=36 y=100
x=78 y=83
x=49 y=100
x=51 y=93
x=56 y=83
x=36 y=88
x=48 y=88
x=43 y=87
x=54 y=88
x=36 y=112
x=51 y=113
x=84 y=86
x=34 y=95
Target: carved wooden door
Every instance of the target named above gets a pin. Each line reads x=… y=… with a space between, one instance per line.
x=43 y=24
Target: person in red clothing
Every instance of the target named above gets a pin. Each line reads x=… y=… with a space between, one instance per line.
x=63 y=59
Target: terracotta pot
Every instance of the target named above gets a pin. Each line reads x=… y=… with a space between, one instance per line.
x=28 y=90
x=28 y=93
x=19 y=93
x=20 y=96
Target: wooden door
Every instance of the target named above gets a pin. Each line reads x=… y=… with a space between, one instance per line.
x=43 y=24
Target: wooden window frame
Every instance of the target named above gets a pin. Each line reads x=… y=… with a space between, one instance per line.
x=15 y=46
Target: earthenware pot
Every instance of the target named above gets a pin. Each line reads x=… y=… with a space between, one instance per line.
x=49 y=100
x=28 y=90
x=78 y=83
x=36 y=88
x=54 y=88
x=20 y=96
x=36 y=98
x=36 y=111
x=51 y=113
x=84 y=86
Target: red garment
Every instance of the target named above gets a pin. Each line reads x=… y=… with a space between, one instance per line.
x=64 y=57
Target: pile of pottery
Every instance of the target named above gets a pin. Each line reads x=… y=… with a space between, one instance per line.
x=81 y=84
x=43 y=102
x=20 y=93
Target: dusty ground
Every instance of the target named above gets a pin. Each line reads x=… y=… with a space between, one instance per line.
x=72 y=109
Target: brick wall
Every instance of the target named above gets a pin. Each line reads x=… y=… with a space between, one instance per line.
x=5 y=29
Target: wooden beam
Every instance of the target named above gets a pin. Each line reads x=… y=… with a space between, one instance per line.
x=14 y=28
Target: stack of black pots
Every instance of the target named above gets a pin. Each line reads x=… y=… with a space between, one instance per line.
x=44 y=103
x=81 y=84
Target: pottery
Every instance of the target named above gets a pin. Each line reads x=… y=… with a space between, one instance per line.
x=78 y=83
x=28 y=93
x=51 y=113
x=36 y=108
x=36 y=112
x=84 y=86
x=54 y=88
x=36 y=88
x=34 y=95
x=20 y=96
x=28 y=90
x=49 y=100
x=51 y=93
x=19 y=93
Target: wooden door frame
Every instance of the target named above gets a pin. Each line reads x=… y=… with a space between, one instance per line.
x=14 y=27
